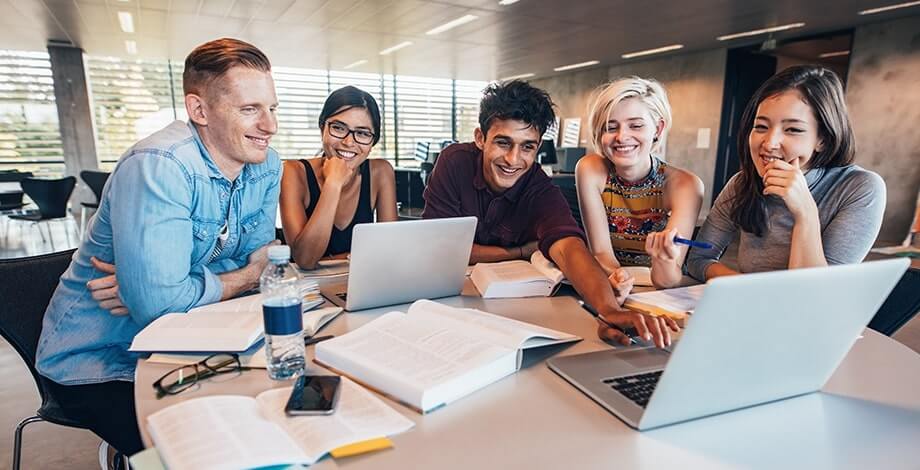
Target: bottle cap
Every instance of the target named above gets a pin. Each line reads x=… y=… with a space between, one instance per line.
x=279 y=253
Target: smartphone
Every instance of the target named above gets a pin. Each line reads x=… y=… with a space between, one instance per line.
x=314 y=395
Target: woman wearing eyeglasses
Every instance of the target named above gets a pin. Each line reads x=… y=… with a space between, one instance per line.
x=322 y=199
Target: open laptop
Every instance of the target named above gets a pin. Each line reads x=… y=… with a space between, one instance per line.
x=752 y=339
x=399 y=262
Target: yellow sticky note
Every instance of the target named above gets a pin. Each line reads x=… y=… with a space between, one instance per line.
x=362 y=447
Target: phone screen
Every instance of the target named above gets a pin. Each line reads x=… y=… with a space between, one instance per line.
x=314 y=395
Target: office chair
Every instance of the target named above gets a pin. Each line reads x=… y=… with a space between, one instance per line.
x=51 y=197
x=96 y=181
x=31 y=281
x=11 y=201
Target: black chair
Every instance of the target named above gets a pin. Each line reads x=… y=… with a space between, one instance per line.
x=27 y=284
x=96 y=181
x=51 y=196
x=11 y=201
x=901 y=305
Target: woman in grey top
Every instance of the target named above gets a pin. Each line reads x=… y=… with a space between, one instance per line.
x=798 y=200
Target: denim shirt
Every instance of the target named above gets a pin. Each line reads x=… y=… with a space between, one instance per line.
x=159 y=219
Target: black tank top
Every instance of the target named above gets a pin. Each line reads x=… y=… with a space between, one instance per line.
x=340 y=240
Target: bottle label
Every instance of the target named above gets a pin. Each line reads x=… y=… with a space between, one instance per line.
x=284 y=320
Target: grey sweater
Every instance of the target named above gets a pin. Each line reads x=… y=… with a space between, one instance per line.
x=850 y=200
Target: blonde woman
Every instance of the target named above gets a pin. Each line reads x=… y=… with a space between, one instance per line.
x=633 y=203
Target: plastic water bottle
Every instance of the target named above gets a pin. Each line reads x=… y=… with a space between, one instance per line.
x=281 y=311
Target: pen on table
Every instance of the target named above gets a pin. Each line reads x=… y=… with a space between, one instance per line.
x=693 y=243
x=316 y=339
x=589 y=309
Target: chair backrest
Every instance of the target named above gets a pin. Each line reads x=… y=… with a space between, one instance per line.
x=13 y=176
x=51 y=196
x=26 y=286
x=96 y=181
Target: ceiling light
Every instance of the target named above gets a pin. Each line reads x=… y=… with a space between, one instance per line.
x=355 y=64
x=833 y=54
x=452 y=24
x=395 y=48
x=508 y=2
x=131 y=47
x=657 y=50
x=760 y=31
x=577 y=66
x=873 y=11
x=126 y=21
x=516 y=77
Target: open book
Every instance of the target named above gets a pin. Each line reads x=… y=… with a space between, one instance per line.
x=254 y=357
x=517 y=278
x=229 y=431
x=230 y=326
x=434 y=354
x=676 y=303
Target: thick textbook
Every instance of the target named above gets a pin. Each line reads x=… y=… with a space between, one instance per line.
x=230 y=326
x=434 y=354
x=229 y=431
x=518 y=278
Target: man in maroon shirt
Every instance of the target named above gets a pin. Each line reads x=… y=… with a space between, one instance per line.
x=518 y=207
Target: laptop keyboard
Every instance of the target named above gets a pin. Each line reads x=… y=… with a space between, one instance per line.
x=637 y=388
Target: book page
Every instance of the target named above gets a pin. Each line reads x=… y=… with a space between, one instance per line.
x=682 y=299
x=314 y=320
x=420 y=352
x=546 y=267
x=512 y=334
x=220 y=432
x=511 y=271
x=358 y=416
x=234 y=329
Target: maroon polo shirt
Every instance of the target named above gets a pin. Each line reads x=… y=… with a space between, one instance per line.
x=533 y=209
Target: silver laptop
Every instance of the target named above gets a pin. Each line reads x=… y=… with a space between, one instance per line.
x=752 y=339
x=399 y=262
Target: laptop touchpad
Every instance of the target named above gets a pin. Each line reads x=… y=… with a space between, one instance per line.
x=645 y=358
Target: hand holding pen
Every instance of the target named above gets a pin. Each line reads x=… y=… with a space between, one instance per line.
x=664 y=245
x=646 y=327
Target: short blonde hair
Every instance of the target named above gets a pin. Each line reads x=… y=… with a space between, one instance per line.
x=606 y=97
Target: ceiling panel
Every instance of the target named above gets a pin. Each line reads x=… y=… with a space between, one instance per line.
x=530 y=36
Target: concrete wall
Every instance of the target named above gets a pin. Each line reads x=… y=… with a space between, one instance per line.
x=883 y=95
x=694 y=83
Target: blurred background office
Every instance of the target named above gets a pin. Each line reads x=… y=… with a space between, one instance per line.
x=82 y=80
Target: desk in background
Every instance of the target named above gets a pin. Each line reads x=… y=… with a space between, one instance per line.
x=868 y=417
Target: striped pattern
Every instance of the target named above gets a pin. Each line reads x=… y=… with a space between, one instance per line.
x=633 y=211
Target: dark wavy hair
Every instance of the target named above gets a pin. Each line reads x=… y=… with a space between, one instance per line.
x=823 y=92
x=213 y=59
x=516 y=100
x=348 y=97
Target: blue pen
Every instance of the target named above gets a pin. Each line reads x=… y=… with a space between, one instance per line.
x=693 y=243
x=626 y=331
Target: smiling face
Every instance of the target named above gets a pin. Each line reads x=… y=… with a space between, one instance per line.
x=352 y=119
x=508 y=151
x=236 y=117
x=630 y=134
x=785 y=127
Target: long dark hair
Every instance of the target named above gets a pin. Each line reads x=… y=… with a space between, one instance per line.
x=348 y=97
x=823 y=92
